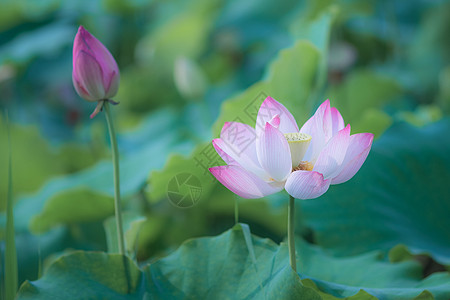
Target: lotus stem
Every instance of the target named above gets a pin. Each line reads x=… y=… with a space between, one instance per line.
x=291 y=239
x=115 y=156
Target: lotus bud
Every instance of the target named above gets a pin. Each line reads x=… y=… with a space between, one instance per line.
x=95 y=73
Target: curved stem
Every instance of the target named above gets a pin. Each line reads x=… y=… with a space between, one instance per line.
x=115 y=154
x=291 y=239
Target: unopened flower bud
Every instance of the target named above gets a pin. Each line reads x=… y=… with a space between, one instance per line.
x=95 y=73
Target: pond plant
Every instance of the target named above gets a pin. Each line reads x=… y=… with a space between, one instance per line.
x=216 y=122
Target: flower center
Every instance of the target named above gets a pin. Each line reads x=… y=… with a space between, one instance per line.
x=298 y=143
x=303 y=166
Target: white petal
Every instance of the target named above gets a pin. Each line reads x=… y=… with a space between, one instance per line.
x=238 y=141
x=358 y=149
x=269 y=108
x=306 y=184
x=244 y=183
x=332 y=156
x=274 y=154
x=318 y=130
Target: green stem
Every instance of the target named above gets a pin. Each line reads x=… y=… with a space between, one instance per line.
x=115 y=154
x=11 y=269
x=236 y=210
x=291 y=239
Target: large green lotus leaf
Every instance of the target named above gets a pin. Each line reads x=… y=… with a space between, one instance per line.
x=86 y=275
x=222 y=268
x=345 y=276
x=400 y=195
x=235 y=265
x=217 y=268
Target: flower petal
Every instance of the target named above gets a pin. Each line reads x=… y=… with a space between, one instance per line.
x=217 y=143
x=337 y=121
x=275 y=121
x=113 y=85
x=80 y=89
x=358 y=149
x=273 y=153
x=244 y=183
x=85 y=41
x=318 y=128
x=237 y=140
x=306 y=184
x=332 y=156
x=268 y=109
x=90 y=75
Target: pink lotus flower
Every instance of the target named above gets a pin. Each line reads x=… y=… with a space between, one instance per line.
x=95 y=73
x=276 y=155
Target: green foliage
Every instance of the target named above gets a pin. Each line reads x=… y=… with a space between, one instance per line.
x=192 y=272
x=98 y=275
x=226 y=267
x=382 y=235
x=290 y=80
x=393 y=199
x=94 y=186
x=132 y=225
x=33 y=169
x=361 y=109
x=76 y=206
x=345 y=276
x=11 y=279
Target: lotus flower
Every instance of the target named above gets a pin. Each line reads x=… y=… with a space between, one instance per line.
x=95 y=73
x=276 y=155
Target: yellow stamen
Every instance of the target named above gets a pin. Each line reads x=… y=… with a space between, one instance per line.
x=303 y=166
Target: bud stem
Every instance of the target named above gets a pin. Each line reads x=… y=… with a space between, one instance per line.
x=115 y=154
x=291 y=239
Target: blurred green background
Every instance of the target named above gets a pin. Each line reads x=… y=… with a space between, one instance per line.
x=186 y=68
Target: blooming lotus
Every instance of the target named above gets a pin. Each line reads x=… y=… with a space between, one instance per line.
x=95 y=73
x=276 y=155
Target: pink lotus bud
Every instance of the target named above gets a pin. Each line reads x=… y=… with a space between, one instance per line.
x=95 y=73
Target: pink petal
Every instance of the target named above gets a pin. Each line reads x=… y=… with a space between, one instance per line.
x=90 y=75
x=318 y=128
x=217 y=143
x=237 y=140
x=274 y=154
x=336 y=120
x=85 y=41
x=275 y=121
x=113 y=85
x=306 y=184
x=330 y=159
x=244 y=183
x=80 y=89
x=268 y=109
x=358 y=149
